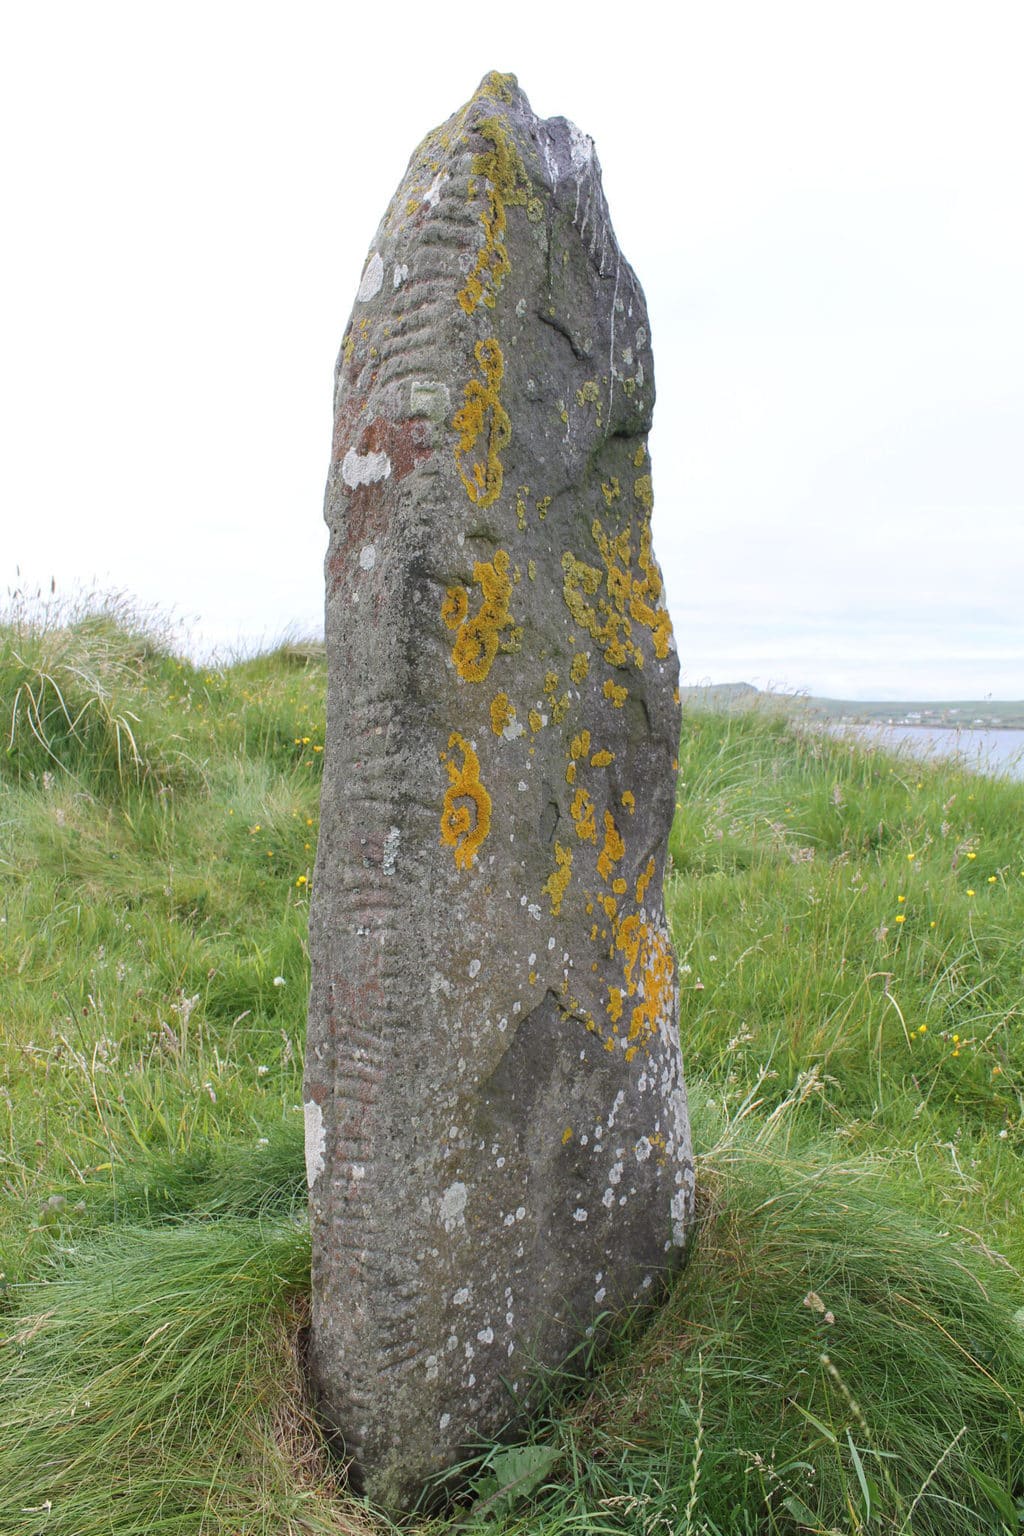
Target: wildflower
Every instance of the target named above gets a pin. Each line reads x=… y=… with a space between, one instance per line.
x=901 y=898
x=261 y=1070
x=912 y=856
x=932 y=923
x=970 y=892
x=279 y=981
x=302 y=880
x=972 y=855
x=956 y=1053
x=956 y=1039
x=996 y=1071
x=922 y=1029
x=991 y=879
x=899 y=918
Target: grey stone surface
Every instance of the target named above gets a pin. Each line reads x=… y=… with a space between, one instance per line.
x=497 y=1138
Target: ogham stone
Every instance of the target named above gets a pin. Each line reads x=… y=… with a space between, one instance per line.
x=496 y=1129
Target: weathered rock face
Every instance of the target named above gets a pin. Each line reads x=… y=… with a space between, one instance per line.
x=497 y=1138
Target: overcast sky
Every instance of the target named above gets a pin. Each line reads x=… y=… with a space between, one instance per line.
x=822 y=201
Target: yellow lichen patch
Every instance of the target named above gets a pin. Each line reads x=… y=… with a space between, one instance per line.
x=483 y=418
x=556 y=884
x=531 y=569
x=570 y=774
x=639 y=456
x=567 y=1135
x=613 y=849
x=644 y=492
x=614 y=692
x=560 y=708
x=620 y=886
x=610 y=906
x=629 y=801
x=551 y=684
x=582 y=813
x=658 y=994
x=476 y=643
x=580 y=666
x=611 y=490
x=506 y=184
x=502 y=713
x=590 y=394
x=521 y=494
x=466 y=815
x=542 y=507
x=580 y=745
x=644 y=881
x=615 y=1003
x=536 y=720
x=602 y=759
x=455 y=607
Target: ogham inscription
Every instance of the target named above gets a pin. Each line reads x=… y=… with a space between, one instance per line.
x=497 y=1139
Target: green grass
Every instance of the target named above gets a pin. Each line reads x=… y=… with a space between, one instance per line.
x=846 y=1349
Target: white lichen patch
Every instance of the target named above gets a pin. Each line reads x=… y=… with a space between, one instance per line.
x=453 y=1206
x=391 y=844
x=364 y=469
x=400 y=274
x=368 y=557
x=316 y=1140
x=579 y=1214
x=432 y=195
x=373 y=278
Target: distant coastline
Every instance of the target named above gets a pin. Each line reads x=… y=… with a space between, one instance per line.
x=931 y=714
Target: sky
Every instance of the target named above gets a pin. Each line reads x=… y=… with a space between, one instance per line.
x=821 y=200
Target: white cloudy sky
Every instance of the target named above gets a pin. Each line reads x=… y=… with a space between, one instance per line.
x=822 y=200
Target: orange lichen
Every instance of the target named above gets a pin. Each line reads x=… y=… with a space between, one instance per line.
x=613 y=850
x=615 y=1003
x=614 y=692
x=644 y=881
x=567 y=1135
x=536 y=720
x=482 y=416
x=570 y=774
x=476 y=643
x=602 y=759
x=611 y=490
x=629 y=800
x=556 y=884
x=580 y=745
x=580 y=666
x=620 y=886
x=582 y=813
x=506 y=184
x=455 y=607
x=502 y=713
x=466 y=815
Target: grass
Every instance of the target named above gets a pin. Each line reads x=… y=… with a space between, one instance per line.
x=846 y=1349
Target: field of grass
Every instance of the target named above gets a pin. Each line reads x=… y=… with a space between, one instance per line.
x=844 y=1353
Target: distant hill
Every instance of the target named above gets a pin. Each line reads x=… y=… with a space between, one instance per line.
x=987 y=714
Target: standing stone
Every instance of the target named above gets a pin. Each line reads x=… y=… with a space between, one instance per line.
x=496 y=1129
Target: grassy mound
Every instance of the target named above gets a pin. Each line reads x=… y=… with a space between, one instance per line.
x=845 y=1351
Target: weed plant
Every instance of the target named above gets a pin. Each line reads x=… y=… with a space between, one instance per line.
x=845 y=1352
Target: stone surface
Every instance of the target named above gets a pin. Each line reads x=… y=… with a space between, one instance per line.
x=497 y=1138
